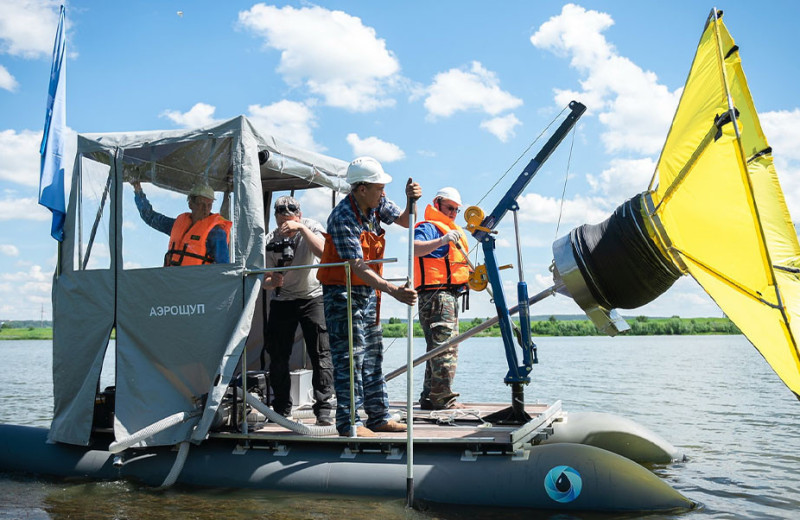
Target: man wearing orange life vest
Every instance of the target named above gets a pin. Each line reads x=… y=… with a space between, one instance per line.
x=355 y=236
x=196 y=237
x=441 y=273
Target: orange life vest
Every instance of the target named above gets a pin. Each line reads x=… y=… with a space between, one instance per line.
x=450 y=271
x=187 y=242
x=372 y=247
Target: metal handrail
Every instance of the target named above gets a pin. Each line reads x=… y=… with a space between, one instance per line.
x=346 y=265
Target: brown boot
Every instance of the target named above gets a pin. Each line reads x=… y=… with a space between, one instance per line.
x=361 y=431
x=390 y=426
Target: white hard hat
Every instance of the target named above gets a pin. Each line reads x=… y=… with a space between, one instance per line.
x=367 y=169
x=449 y=194
x=202 y=190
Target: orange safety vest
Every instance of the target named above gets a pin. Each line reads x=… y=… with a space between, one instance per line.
x=372 y=247
x=187 y=242
x=448 y=272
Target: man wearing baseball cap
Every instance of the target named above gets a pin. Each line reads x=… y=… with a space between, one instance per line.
x=196 y=237
x=355 y=236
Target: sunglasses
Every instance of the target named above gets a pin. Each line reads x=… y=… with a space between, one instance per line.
x=449 y=207
x=287 y=208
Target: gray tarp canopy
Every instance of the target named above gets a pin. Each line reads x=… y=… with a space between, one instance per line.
x=180 y=331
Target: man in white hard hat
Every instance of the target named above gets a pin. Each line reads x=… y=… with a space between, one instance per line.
x=355 y=236
x=196 y=237
x=441 y=273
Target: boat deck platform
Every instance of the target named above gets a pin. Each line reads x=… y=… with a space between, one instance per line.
x=464 y=427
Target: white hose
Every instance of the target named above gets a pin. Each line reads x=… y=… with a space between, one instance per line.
x=177 y=466
x=149 y=431
x=302 y=429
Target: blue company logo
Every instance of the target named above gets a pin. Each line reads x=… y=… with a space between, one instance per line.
x=563 y=484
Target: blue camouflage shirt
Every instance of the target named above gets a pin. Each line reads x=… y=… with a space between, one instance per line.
x=345 y=230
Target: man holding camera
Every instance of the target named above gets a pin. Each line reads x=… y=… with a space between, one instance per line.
x=297 y=298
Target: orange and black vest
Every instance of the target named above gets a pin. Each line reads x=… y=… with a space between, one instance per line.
x=448 y=272
x=187 y=242
x=372 y=247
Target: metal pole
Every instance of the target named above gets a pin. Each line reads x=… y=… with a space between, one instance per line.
x=350 y=350
x=471 y=332
x=412 y=217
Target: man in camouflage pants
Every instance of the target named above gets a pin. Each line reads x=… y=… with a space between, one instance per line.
x=441 y=274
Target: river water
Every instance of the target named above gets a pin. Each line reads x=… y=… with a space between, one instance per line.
x=714 y=397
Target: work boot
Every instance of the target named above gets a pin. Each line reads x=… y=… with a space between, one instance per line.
x=361 y=431
x=324 y=420
x=390 y=426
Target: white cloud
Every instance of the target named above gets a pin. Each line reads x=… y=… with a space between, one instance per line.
x=34 y=274
x=635 y=109
x=782 y=129
x=374 y=147
x=315 y=204
x=333 y=53
x=287 y=120
x=501 y=127
x=474 y=89
x=28 y=27
x=20 y=156
x=22 y=209
x=200 y=114
x=9 y=250
x=580 y=210
x=29 y=290
x=623 y=178
x=7 y=81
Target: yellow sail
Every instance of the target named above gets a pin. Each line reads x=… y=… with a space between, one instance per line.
x=718 y=208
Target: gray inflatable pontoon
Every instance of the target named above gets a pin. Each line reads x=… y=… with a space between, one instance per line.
x=555 y=476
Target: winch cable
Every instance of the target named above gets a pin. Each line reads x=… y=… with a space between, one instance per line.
x=564 y=190
x=558 y=116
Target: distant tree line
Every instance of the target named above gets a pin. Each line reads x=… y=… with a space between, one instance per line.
x=24 y=324
x=640 y=326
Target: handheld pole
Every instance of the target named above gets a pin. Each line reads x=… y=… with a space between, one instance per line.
x=412 y=217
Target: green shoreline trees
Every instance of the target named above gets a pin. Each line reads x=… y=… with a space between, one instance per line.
x=640 y=326
x=396 y=328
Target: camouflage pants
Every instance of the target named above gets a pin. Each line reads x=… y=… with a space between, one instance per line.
x=438 y=315
x=369 y=384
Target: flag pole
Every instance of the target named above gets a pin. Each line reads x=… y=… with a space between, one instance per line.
x=51 y=174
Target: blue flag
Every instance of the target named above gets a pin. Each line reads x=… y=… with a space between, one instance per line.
x=51 y=176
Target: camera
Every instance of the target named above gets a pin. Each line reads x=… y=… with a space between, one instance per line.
x=285 y=247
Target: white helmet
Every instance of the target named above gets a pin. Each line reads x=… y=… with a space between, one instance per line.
x=367 y=169
x=449 y=194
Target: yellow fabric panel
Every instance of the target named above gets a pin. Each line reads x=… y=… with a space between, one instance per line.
x=762 y=325
x=703 y=97
x=727 y=214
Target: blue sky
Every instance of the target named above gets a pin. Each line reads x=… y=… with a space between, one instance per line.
x=450 y=93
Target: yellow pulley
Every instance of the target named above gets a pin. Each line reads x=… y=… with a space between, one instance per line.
x=474 y=216
x=478 y=279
